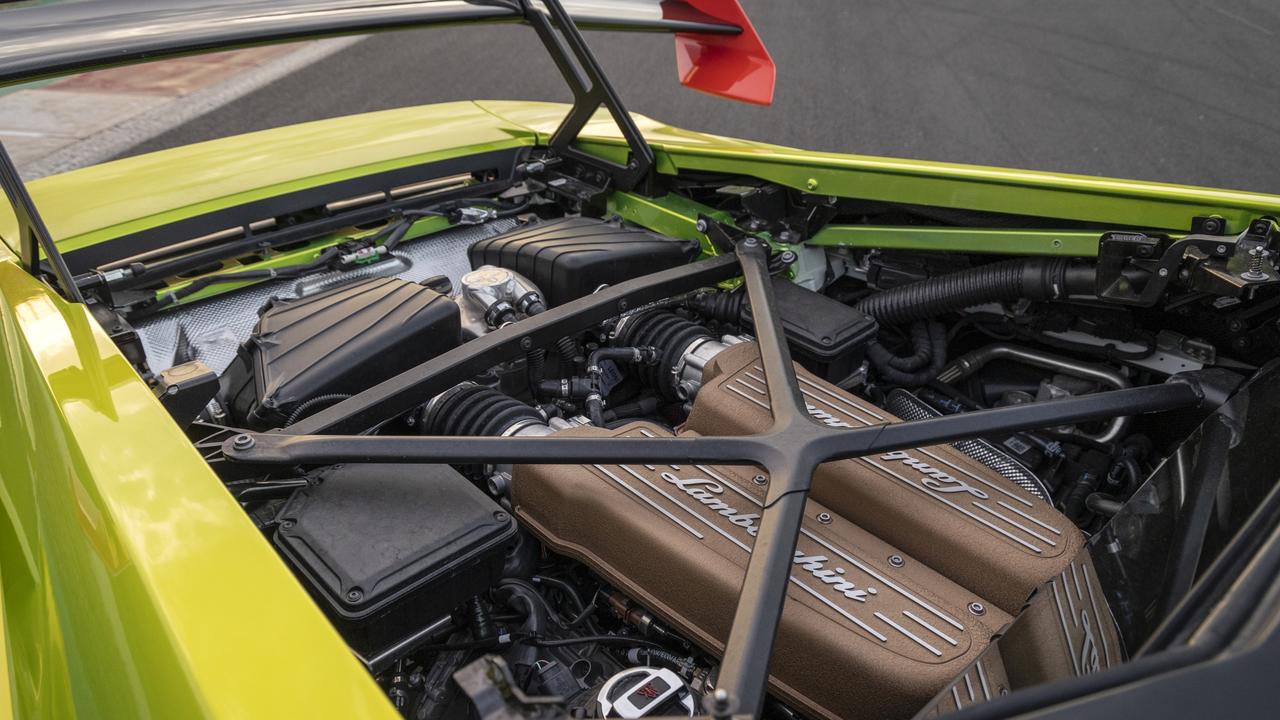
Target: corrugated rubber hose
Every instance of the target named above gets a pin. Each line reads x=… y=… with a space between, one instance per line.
x=1030 y=278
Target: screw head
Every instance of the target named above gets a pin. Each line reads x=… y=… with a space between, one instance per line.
x=701 y=225
x=897 y=561
x=242 y=442
x=977 y=608
x=1163 y=272
x=500 y=516
x=811 y=183
x=287 y=524
x=354 y=595
x=760 y=480
x=720 y=702
x=526 y=343
x=623 y=304
x=1222 y=249
x=1213 y=225
x=824 y=518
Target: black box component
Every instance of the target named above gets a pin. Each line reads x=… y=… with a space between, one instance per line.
x=828 y=337
x=337 y=342
x=185 y=390
x=571 y=257
x=388 y=549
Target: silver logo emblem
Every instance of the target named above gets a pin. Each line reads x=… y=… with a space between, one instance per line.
x=934 y=479
x=709 y=492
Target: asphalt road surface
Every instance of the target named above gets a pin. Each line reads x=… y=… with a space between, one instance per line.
x=1183 y=91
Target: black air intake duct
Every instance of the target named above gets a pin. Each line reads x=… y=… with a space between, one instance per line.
x=1006 y=280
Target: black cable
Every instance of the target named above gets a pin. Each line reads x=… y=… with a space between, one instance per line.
x=513 y=582
x=584 y=609
x=595 y=399
x=601 y=639
x=929 y=333
x=301 y=411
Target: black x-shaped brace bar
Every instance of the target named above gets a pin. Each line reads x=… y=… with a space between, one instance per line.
x=790 y=450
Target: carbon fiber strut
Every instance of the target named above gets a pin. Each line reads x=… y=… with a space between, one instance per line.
x=791 y=449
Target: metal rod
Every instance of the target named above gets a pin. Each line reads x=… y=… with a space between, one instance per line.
x=415 y=386
x=1173 y=395
x=33 y=234
x=589 y=93
x=282 y=449
x=764 y=449
x=785 y=399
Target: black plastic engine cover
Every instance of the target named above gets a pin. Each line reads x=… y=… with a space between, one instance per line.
x=826 y=336
x=571 y=257
x=337 y=342
x=388 y=549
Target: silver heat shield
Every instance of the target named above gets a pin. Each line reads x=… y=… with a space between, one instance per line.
x=909 y=407
x=212 y=330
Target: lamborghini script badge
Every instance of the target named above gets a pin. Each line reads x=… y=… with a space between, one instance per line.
x=710 y=493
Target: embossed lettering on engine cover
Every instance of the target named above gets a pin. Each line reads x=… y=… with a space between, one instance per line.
x=935 y=503
x=710 y=493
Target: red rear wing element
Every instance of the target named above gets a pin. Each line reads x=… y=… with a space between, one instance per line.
x=737 y=67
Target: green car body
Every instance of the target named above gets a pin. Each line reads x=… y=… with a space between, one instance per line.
x=124 y=562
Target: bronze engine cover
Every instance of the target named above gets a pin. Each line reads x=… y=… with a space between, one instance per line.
x=907 y=566
x=859 y=637
x=943 y=508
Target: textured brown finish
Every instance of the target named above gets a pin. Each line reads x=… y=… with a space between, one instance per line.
x=950 y=512
x=859 y=637
x=1065 y=630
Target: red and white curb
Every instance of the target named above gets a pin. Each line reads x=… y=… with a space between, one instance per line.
x=89 y=118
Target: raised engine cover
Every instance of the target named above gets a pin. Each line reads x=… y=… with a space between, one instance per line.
x=862 y=635
x=935 y=503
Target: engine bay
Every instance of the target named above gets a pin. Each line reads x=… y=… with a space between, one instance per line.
x=925 y=579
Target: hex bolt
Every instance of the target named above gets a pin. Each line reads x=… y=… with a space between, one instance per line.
x=824 y=518
x=897 y=561
x=760 y=480
x=242 y=442
x=977 y=608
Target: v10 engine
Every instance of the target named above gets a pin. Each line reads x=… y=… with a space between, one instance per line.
x=909 y=564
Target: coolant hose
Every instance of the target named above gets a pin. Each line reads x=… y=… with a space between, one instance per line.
x=1031 y=278
x=595 y=398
